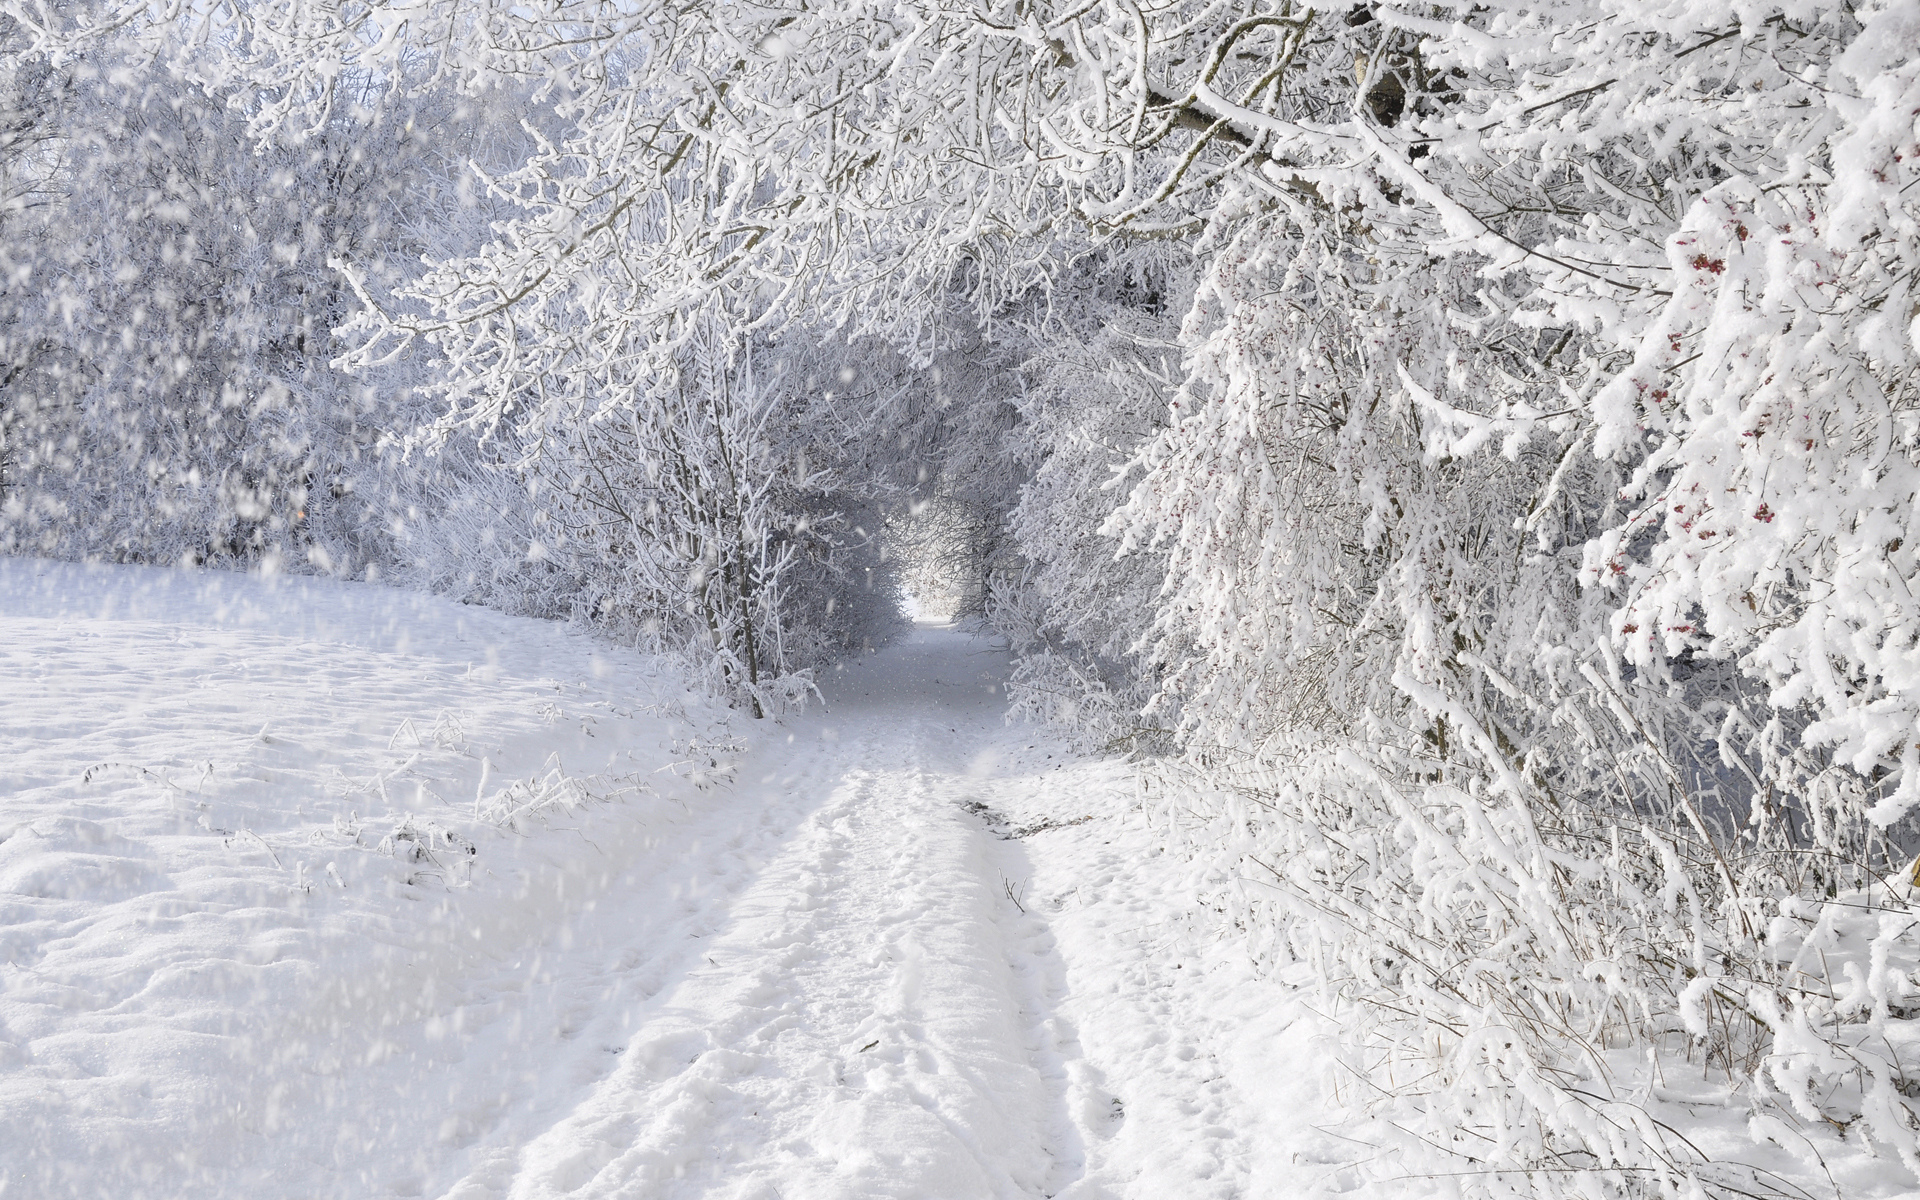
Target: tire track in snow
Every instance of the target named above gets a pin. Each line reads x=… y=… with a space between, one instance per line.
x=566 y=1016
x=868 y=1022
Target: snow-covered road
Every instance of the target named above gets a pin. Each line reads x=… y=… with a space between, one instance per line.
x=907 y=952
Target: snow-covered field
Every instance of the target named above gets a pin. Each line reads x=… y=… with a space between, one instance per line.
x=316 y=889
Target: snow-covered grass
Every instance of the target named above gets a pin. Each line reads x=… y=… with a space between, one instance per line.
x=1779 y=1078
x=245 y=824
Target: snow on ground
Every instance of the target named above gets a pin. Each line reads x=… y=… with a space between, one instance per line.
x=283 y=865
x=313 y=889
x=325 y=890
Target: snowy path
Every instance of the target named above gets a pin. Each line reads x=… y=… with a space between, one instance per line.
x=882 y=1008
x=861 y=1018
x=908 y=953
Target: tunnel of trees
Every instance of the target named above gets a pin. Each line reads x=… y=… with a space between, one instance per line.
x=1469 y=450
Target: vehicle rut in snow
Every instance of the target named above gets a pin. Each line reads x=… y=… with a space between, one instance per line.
x=869 y=1017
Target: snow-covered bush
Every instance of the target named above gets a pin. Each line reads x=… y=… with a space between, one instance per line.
x=167 y=313
x=1102 y=378
x=1493 y=649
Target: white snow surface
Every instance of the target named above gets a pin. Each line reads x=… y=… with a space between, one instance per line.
x=311 y=889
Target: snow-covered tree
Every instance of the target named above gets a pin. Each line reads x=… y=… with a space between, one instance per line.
x=168 y=324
